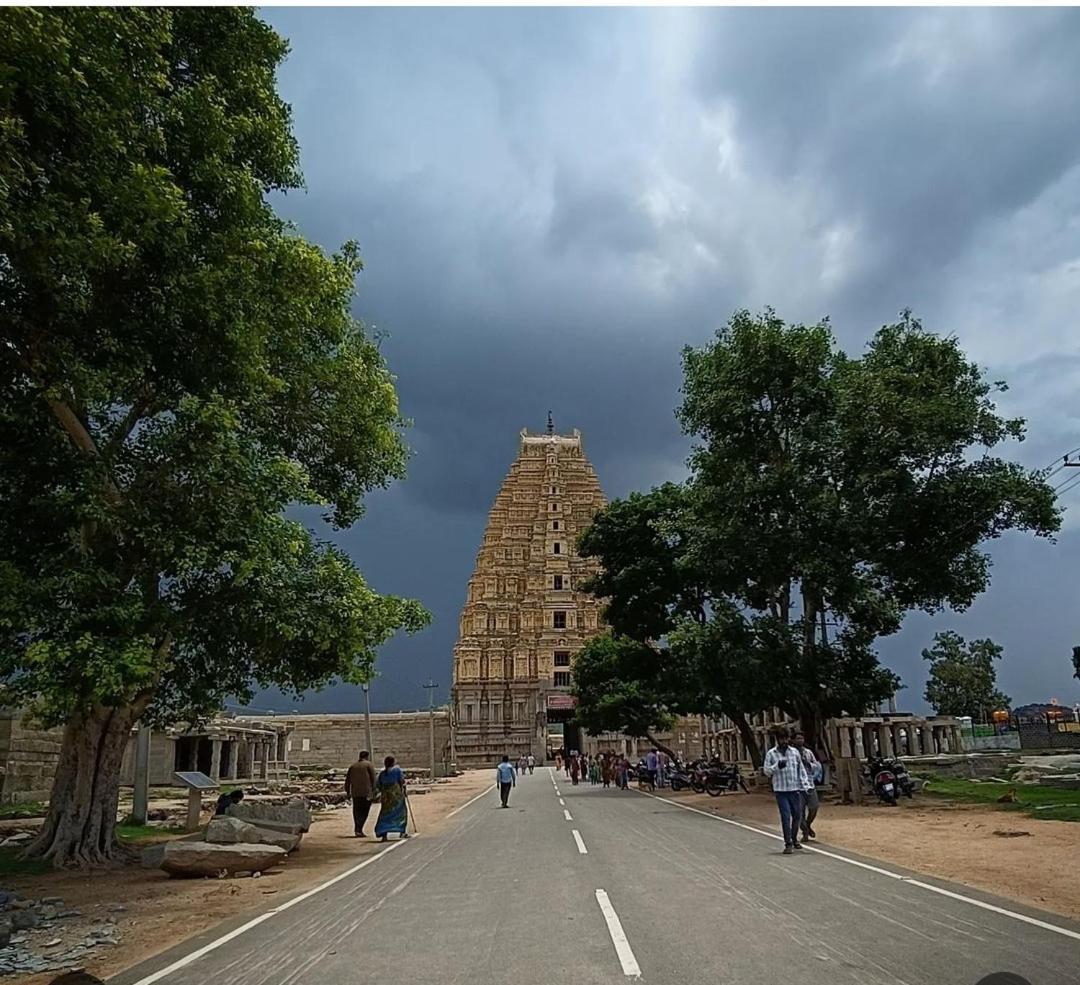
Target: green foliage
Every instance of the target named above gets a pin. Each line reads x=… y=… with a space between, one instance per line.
x=963 y=678
x=28 y=809
x=829 y=495
x=178 y=367
x=146 y=832
x=1043 y=803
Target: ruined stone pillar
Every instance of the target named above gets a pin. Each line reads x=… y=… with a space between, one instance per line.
x=215 y=759
x=898 y=741
x=956 y=741
x=264 y=759
x=885 y=743
x=860 y=747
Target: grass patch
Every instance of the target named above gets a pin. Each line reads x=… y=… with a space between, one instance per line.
x=31 y=809
x=12 y=865
x=145 y=832
x=1043 y=803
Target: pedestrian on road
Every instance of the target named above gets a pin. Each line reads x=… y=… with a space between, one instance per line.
x=652 y=766
x=784 y=766
x=360 y=786
x=624 y=773
x=393 y=807
x=505 y=775
x=811 y=803
x=532 y=763
x=661 y=770
x=607 y=771
x=558 y=762
x=575 y=767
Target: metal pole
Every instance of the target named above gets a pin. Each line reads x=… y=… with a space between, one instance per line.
x=430 y=688
x=140 y=795
x=367 y=719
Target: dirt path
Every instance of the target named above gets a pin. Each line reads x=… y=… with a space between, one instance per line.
x=1000 y=852
x=159 y=912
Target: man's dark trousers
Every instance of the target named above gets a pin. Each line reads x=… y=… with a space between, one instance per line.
x=361 y=806
x=504 y=792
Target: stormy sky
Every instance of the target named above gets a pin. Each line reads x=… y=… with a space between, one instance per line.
x=552 y=202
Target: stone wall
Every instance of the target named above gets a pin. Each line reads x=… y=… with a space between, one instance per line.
x=982 y=743
x=333 y=741
x=28 y=759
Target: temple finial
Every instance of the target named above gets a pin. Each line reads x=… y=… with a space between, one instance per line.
x=551 y=424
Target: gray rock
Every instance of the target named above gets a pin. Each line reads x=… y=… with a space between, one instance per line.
x=67 y=914
x=233 y=831
x=294 y=812
x=153 y=856
x=24 y=919
x=5 y=934
x=16 y=839
x=201 y=858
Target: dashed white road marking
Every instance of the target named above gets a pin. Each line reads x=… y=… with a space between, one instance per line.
x=562 y=803
x=473 y=801
x=582 y=850
x=566 y=814
x=629 y=963
x=1022 y=917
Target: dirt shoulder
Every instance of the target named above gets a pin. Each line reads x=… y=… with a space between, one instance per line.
x=1002 y=852
x=151 y=912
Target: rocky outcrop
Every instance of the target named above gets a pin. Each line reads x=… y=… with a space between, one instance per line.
x=295 y=812
x=224 y=830
x=201 y=858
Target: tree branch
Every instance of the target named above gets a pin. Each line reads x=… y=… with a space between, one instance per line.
x=82 y=439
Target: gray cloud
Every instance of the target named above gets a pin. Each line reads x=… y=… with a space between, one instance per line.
x=551 y=203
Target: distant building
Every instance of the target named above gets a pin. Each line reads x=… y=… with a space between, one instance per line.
x=525 y=618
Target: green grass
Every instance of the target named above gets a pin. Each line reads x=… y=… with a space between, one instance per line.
x=31 y=809
x=145 y=832
x=12 y=865
x=1056 y=804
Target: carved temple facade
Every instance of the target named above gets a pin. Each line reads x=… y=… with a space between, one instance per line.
x=524 y=618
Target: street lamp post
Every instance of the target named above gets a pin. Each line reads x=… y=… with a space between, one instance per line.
x=367 y=718
x=430 y=688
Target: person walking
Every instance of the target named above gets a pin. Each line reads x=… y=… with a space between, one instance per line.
x=624 y=773
x=607 y=770
x=360 y=786
x=784 y=766
x=811 y=802
x=652 y=766
x=393 y=806
x=504 y=773
x=575 y=767
x=661 y=770
x=532 y=763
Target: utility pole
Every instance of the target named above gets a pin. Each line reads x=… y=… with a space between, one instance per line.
x=140 y=795
x=366 y=687
x=430 y=688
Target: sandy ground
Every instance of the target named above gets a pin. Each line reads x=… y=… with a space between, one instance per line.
x=1010 y=855
x=161 y=912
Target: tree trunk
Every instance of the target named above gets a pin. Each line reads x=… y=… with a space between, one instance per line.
x=659 y=745
x=80 y=828
x=749 y=738
x=809 y=723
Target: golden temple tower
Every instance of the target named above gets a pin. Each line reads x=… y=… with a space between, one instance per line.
x=524 y=618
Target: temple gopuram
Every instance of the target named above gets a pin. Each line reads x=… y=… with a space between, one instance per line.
x=524 y=618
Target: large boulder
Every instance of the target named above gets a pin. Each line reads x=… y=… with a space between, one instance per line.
x=201 y=858
x=225 y=830
x=294 y=812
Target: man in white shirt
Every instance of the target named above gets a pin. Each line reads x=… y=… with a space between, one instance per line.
x=784 y=766
x=811 y=802
x=532 y=762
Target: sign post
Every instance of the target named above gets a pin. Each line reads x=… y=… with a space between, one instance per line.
x=196 y=783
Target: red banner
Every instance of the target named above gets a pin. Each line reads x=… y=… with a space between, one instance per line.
x=560 y=702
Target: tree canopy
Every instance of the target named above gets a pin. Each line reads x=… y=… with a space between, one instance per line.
x=828 y=496
x=178 y=367
x=963 y=678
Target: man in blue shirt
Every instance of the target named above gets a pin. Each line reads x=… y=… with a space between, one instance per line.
x=505 y=772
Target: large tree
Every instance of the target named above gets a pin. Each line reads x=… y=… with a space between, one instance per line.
x=177 y=367
x=828 y=496
x=963 y=678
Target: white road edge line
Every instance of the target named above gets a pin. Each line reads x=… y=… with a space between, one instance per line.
x=1022 y=917
x=629 y=963
x=582 y=850
x=566 y=814
x=473 y=801
x=244 y=928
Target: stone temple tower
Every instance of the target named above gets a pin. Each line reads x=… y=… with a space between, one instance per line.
x=524 y=618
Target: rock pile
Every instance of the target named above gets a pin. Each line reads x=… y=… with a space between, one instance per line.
x=43 y=935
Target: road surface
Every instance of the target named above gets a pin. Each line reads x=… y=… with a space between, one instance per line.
x=585 y=886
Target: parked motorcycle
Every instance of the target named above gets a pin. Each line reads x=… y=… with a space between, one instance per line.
x=722 y=777
x=678 y=776
x=883 y=779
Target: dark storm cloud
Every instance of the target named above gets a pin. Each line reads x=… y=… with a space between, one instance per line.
x=550 y=203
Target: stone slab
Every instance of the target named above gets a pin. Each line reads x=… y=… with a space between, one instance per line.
x=200 y=858
x=232 y=831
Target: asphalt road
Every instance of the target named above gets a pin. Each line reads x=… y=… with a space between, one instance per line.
x=507 y=897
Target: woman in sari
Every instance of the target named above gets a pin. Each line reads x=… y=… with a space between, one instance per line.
x=393 y=808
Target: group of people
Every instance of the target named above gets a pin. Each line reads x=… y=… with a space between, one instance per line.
x=525 y=763
x=795 y=773
x=604 y=768
x=365 y=787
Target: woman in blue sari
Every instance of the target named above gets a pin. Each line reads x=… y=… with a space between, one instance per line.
x=393 y=809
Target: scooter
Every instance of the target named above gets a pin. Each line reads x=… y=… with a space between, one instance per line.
x=883 y=780
x=721 y=778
